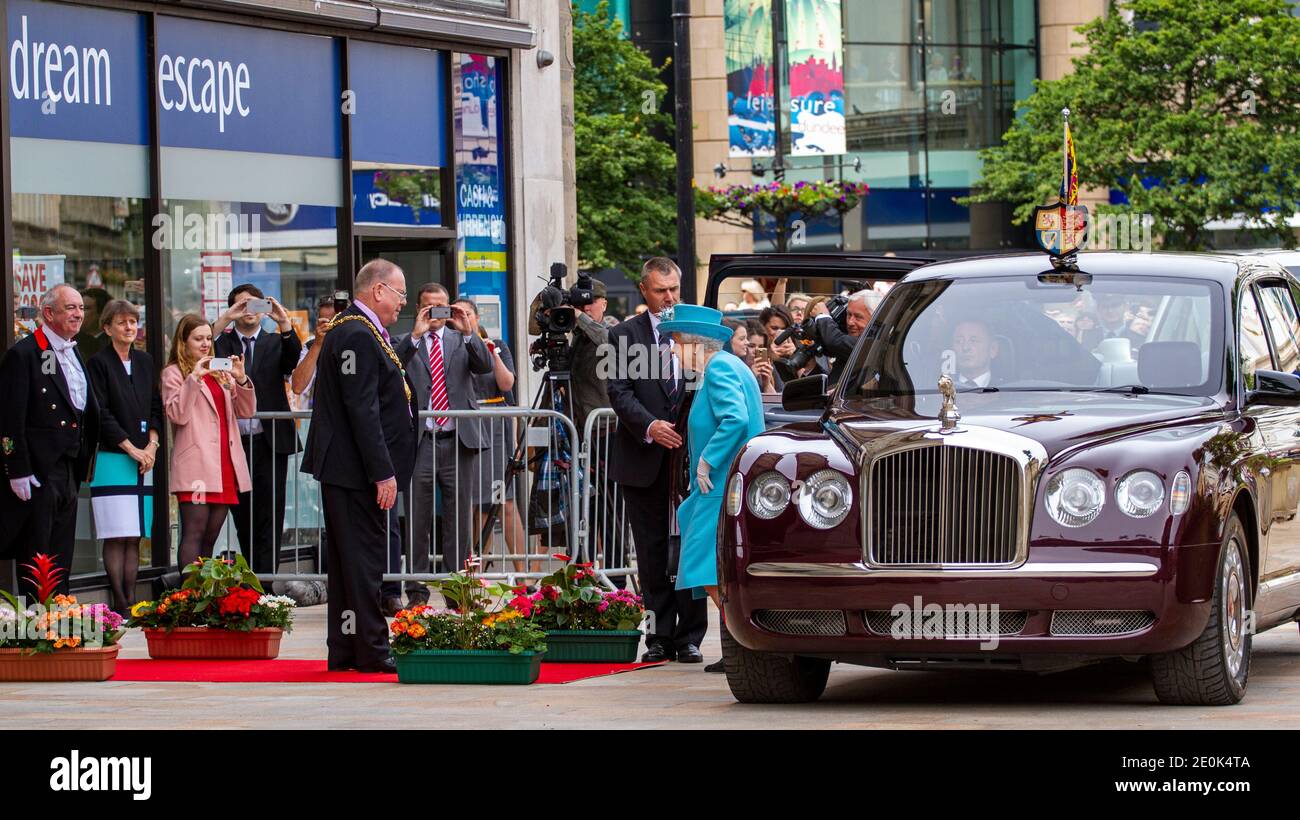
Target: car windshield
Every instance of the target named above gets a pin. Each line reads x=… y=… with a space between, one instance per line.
x=1124 y=334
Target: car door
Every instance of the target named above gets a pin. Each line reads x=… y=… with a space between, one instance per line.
x=1280 y=555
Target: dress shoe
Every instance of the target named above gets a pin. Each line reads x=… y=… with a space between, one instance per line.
x=392 y=606
x=386 y=665
x=655 y=653
x=690 y=654
x=341 y=667
x=716 y=666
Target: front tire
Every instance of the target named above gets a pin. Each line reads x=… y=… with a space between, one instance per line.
x=1213 y=669
x=767 y=677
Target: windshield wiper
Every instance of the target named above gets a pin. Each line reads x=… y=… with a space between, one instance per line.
x=1131 y=389
x=977 y=390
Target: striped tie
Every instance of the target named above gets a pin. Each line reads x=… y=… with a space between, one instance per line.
x=438 y=391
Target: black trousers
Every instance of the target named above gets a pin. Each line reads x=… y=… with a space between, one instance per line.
x=259 y=516
x=679 y=617
x=356 y=632
x=49 y=526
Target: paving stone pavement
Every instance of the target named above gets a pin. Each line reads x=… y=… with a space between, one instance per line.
x=674 y=696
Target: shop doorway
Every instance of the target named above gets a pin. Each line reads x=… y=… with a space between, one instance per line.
x=422 y=260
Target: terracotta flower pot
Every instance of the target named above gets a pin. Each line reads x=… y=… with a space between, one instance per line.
x=59 y=665
x=203 y=643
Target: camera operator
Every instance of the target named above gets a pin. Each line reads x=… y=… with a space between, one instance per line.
x=836 y=340
x=588 y=301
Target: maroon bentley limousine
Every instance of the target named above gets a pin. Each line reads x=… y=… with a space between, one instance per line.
x=1032 y=468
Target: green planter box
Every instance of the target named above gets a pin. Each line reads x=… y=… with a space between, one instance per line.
x=468 y=666
x=592 y=645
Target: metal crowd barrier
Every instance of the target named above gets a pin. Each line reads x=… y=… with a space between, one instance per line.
x=608 y=534
x=540 y=515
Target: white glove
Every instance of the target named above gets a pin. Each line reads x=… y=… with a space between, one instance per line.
x=702 y=476
x=22 y=487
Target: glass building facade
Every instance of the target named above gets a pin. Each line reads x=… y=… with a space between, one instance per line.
x=164 y=156
x=927 y=84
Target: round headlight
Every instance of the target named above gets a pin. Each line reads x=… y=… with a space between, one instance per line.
x=1075 y=497
x=735 y=494
x=1140 y=493
x=825 y=498
x=769 y=495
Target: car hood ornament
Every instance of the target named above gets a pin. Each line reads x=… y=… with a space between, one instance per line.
x=948 y=413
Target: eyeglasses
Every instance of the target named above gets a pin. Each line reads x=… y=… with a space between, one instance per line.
x=401 y=294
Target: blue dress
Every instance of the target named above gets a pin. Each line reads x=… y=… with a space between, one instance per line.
x=726 y=413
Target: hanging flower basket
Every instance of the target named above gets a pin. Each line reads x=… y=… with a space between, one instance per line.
x=206 y=643
x=468 y=666
x=60 y=665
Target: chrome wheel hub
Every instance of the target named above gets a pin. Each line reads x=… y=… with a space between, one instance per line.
x=1234 y=610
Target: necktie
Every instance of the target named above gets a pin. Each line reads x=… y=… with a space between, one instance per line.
x=666 y=360
x=248 y=355
x=438 y=379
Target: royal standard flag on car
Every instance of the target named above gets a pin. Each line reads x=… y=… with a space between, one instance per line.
x=1062 y=227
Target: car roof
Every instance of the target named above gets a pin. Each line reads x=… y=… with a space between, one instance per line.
x=1219 y=267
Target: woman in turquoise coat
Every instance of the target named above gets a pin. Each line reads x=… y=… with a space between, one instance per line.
x=726 y=412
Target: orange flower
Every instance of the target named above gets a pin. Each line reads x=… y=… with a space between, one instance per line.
x=398 y=627
x=416 y=631
x=70 y=643
x=65 y=600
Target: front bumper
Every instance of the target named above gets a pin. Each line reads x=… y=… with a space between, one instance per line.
x=1159 y=581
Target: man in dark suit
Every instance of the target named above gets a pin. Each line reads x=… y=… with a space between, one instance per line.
x=49 y=430
x=442 y=356
x=640 y=462
x=269 y=359
x=361 y=448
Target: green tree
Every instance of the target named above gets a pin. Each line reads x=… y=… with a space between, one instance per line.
x=625 y=173
x=1200 y=98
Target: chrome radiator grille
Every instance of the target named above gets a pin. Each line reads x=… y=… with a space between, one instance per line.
x=943 y=505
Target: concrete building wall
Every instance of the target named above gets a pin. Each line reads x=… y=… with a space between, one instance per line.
x=543 y=213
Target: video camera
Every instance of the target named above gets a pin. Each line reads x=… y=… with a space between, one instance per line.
x=556 y=318
x=808 y=344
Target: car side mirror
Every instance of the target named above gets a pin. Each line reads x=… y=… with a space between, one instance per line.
x=1274 y=387
x=808 y=393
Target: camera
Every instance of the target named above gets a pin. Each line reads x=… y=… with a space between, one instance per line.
x=556 y=317
x=808 y=344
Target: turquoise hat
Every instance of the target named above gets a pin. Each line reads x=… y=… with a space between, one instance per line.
x=694 y=320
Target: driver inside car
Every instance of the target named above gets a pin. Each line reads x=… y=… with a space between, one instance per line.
x=974 y=349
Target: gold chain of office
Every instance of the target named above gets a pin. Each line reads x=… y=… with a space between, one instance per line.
x=388 y=349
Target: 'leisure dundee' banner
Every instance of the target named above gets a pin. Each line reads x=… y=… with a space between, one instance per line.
x=749 y=77
x=814 y=47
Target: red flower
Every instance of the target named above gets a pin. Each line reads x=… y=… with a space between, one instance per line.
x=559 y=556
x=522 y=604
x=45 y=575
x=238 y=601
x=551 y=592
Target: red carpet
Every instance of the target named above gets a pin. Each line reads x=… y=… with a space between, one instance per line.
x=314 y=671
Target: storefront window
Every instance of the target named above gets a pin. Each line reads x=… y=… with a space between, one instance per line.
x=79 y=157
x=399 y=144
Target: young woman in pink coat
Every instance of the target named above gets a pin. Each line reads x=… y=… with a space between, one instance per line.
x=208 y=469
